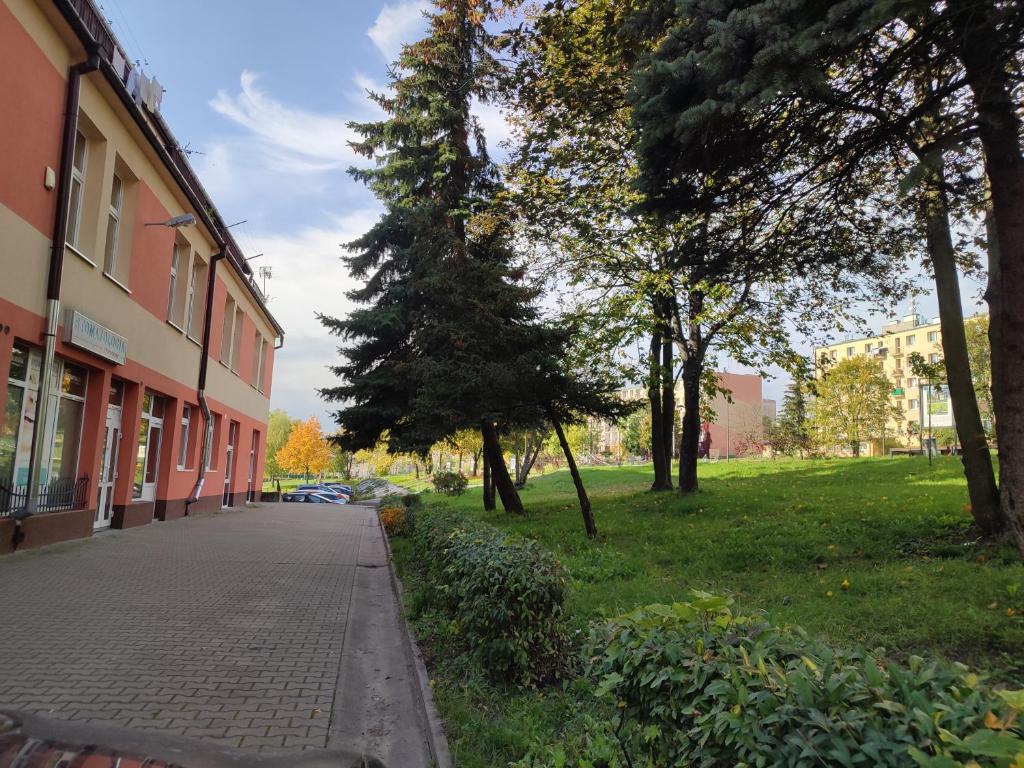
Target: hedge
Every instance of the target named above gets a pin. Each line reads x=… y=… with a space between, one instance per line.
x=694 y=684
x=505 y=594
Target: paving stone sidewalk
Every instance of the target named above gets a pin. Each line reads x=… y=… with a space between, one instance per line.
x=228 y=627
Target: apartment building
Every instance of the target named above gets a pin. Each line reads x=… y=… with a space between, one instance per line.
x=738 y=420
x=122 y=283
x=918 y=403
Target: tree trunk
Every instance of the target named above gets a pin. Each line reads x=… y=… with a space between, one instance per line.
x=531 y=450
x=992 y=297
x=499 y=472
x=662 y=476
x=581 y=492
x=668 y=403
x=488 y=485
x=690 y=437
x=981 y=481
x=999 y=129
x=476 y=461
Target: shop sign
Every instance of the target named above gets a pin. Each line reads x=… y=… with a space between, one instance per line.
x=85 y=333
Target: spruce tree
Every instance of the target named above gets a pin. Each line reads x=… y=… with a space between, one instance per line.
x=444 y=321
x=791 y=428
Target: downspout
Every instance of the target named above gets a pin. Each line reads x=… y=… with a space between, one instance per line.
x=204 y=456
x=53 y=282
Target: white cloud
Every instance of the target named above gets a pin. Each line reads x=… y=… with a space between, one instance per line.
x=497 y=129
x=292 y=139
x=308 y=277
x=397 y=24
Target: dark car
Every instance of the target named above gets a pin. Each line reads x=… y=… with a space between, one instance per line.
x=313 y=497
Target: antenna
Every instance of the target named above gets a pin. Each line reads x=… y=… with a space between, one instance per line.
x=265 y=274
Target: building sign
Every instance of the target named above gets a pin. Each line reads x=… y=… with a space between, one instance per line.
x=897 y=392
x=89 y=335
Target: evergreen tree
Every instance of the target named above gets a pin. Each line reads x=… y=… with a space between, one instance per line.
x=445 y=323
x=791 y=434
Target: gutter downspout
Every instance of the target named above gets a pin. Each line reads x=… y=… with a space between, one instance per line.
x=53 y=283
x=204 y=456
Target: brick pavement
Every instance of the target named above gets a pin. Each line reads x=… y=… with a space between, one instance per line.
x=227 y=627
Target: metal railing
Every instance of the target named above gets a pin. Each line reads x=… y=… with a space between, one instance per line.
x=58 y=496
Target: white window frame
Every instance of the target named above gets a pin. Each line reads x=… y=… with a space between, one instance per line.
x=911 y=339
x=113 y=220
x=171 y=290
x=261 y=367
x=912 y=404
x=71 y=234
x=186 y=423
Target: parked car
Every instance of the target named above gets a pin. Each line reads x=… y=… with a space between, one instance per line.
x=324 y=489
x=341 y=487
x=313 y=497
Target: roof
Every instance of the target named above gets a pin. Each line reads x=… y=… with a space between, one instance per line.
x=96 y=36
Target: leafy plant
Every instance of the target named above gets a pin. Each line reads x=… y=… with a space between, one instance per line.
x=395 y=520
x=505 y=595
x=694 y=683
x=450 y=483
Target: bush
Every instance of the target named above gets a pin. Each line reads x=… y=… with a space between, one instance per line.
x=412 y=500
x=395 y=520
x=694 y=684
x=504 y=594
x=450 y=483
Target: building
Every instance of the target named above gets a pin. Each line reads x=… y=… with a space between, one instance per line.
x=915 y=400
x=737 y=428
x=121 y=279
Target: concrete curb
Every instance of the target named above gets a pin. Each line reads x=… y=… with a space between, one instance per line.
x=436 y=739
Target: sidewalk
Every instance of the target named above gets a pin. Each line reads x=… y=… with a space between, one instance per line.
x=268 y=629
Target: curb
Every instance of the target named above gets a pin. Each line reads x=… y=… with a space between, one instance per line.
x=436 y=739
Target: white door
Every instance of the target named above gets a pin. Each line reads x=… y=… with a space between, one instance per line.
x=251 y=488
x=229 y=464
x=108 y=468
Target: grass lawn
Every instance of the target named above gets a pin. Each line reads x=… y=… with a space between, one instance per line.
x=780 y=536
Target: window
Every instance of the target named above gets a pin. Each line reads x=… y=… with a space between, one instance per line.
x=196 y=302
x=186 y=423
x=933 y=336
x=113 y=226
x=212 y=439
x=911 y=382
x=147 y=460
x=257 y=348
x=236 y=339
x=226 y=332
x=867 y=348
x=933 y=358
x=261 y=367
x=832 y=354
x=912 y=404
x=177 y=291
x=10 y=428
x=849 y=351
x=911 y=340
x=77 y=190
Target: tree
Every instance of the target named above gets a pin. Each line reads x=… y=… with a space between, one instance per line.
x=979 y=351
x=791 y=433
x=852 y=404
x=636 y=434
x=691 y=284
x=306 y=451
x=279 y=426
x=447 y=332
x=839 y=94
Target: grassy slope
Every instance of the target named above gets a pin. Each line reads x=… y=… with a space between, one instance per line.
x=779 y=535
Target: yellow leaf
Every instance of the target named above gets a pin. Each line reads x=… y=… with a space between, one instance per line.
x=993 y=722
x=845 y=584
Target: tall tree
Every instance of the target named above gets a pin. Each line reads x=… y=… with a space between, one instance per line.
x=445 y=329
x=279 y=426
x=851 y=404
x=791 y=433
x=793 y=98
x=306 y=450
x=577 y=172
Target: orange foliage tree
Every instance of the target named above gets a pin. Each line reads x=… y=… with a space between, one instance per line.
x=306 y=450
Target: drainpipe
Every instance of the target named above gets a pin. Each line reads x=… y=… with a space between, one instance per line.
x=53 y=283
x=204 y=456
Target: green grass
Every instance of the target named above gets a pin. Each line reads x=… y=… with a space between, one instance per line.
x=779 y=536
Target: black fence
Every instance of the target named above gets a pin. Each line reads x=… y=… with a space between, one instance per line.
x=58 y=496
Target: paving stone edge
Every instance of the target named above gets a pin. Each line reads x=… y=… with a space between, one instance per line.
x=436 y=739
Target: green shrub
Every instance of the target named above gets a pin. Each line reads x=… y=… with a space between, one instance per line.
x=695 y=684
x=450 y=483
x=412 y=500
x=504 y=594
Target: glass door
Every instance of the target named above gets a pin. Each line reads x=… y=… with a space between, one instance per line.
x=251 y=493
x=147 y=459
x=229 y=465
x=111 y=449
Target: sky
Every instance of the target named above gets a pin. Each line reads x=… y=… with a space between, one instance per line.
x=261 y=92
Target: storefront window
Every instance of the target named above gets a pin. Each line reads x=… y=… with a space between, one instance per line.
x=67 y=439
x=10 y=429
